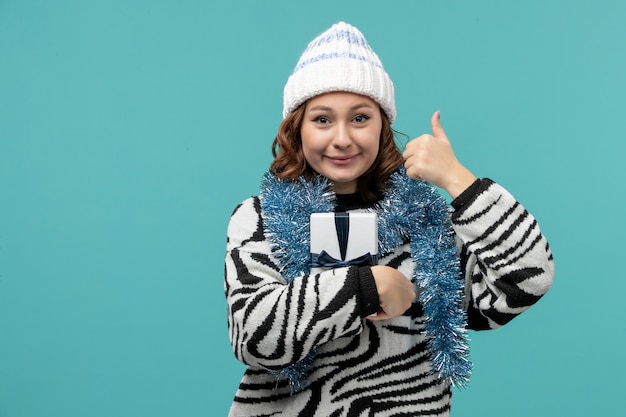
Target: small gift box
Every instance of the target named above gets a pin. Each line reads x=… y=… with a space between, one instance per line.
x=342 y=239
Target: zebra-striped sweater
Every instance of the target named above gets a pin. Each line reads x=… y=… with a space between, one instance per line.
x=365 y=367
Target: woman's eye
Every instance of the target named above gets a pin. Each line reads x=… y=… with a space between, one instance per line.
x=321 y=120
x=361 y=118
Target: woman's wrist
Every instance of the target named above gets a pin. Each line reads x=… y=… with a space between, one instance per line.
x=459 y=181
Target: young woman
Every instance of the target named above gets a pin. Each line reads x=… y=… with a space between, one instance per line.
x=361 y=339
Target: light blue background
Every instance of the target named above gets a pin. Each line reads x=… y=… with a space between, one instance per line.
x=129 y=130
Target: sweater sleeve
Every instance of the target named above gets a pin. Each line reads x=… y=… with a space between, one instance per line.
x=272 y=323
x=507 y=261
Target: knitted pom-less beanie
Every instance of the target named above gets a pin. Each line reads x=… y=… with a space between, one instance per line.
x=340 y=59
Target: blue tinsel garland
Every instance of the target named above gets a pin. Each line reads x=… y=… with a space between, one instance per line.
x=410 y=209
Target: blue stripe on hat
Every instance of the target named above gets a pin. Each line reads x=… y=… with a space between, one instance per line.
x=335 y=55
x=350 y=36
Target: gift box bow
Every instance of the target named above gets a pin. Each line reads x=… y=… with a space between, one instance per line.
x=342 y=229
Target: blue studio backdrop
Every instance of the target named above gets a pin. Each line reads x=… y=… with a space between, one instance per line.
x=129 y=131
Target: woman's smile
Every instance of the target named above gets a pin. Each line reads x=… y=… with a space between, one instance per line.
x=343 y=160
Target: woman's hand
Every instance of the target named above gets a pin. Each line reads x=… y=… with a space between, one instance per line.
x=395 y=292
x=431 y=158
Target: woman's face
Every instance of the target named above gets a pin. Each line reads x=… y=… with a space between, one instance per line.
x=340 y=137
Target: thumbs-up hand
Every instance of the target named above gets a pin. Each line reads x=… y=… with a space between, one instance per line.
x=431 y=158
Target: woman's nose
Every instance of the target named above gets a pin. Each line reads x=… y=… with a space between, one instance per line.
x=342 y=138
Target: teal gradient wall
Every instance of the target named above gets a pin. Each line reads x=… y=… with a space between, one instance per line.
x=129 y=131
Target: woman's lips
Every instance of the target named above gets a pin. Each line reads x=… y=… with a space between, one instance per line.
x=342 y=160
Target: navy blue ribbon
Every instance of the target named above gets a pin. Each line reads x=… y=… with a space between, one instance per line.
x=323 y=259
x=342 y=226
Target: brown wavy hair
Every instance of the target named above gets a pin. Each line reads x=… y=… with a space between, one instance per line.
x=289 y=162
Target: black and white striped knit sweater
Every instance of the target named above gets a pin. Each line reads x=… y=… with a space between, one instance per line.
x=365 y=367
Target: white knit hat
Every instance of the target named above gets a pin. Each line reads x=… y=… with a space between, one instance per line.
x=339 y=59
